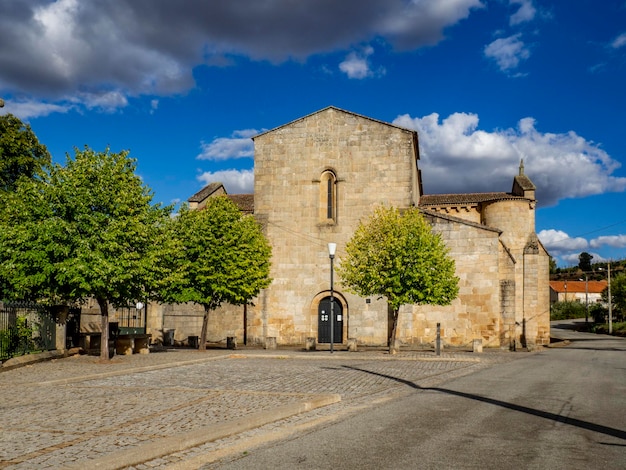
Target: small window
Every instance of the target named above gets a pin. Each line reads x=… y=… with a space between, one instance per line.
x=328 y=197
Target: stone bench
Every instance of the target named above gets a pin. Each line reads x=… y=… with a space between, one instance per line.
x=132 y=343
x=126 y=344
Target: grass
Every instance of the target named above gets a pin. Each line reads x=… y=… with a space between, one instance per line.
x=619 y=329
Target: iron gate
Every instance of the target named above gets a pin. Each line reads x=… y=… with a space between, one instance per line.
x=25 y=327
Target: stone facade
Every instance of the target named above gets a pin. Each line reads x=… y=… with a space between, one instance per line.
x=315 y=179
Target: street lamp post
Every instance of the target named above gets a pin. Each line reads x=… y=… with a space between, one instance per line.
x=332 y=247
x=586 y=298
x=610 y=300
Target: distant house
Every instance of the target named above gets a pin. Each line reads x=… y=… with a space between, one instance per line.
x=579 y=291
x=245 y=202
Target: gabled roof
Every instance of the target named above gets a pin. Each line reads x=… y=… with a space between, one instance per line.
x=205 y=192
x=467 y=198
x=524 y=182
x=341 y=111
x=594 y=287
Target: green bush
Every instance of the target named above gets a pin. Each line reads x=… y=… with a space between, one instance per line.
x=18 y=338
x=598 y=313
x=567 y=310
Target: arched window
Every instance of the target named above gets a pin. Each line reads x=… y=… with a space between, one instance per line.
x=328 y=197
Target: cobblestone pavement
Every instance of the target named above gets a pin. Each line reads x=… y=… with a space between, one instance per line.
x=84 y=413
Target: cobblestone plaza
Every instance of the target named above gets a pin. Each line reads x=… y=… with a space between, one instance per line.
x=181 y=406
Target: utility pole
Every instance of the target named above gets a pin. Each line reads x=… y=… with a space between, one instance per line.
x=610 y=299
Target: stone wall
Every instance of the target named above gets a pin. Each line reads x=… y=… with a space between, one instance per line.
x=186 y=320
x=475 y=313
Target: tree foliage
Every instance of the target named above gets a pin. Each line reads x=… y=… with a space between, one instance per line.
x=21 y=153
x=88 y=229
x=396 y=255
x=618 y=296
x=565 y=310
x=584 y=261
x=222 y=257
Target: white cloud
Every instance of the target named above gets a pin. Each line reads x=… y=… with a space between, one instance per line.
x=619 y=41
x=615 y=241
x=30 y=109
x=239 y=145
x=456 y=157
x=235 y=181
x=507 y=52
x=61 y=46
x=559 y=243
x=526 y=12
x=356 y=64
x=106 y=101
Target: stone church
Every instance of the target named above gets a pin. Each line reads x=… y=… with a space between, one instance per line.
x=314 y=179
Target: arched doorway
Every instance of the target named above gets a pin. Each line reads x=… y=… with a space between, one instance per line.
x=324 y=321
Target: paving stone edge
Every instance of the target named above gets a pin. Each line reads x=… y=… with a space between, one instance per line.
x=168 y=445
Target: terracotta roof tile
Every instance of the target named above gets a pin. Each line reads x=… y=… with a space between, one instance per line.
x=595 y=287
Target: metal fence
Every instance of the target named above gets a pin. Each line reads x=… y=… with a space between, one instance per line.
x=25 y=328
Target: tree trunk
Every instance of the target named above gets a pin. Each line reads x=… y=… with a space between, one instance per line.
x=394 y=329
x=205 y=328
x=104 y=319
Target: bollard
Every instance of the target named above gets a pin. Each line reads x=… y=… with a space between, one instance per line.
x=477 y=345
x=270 y=342
x=310 y=344
x=438 y=340
x=231 y=342
x=352 y=345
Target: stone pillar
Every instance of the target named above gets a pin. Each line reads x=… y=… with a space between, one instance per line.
x=60 y=336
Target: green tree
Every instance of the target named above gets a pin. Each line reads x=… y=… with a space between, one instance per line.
x=223 y=257
x=395 y=254
x=553 y=266
x=21 y=153
x=567 y=310
x=618 y=296
x=584 y=261
x=87 y=230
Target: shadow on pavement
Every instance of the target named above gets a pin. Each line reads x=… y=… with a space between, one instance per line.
x=511 y=406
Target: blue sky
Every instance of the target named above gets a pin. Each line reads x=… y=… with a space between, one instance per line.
x=183 y=85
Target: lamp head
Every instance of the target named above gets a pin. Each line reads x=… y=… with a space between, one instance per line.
x=332 y=247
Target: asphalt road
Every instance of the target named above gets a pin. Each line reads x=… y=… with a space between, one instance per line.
x=560 y=408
